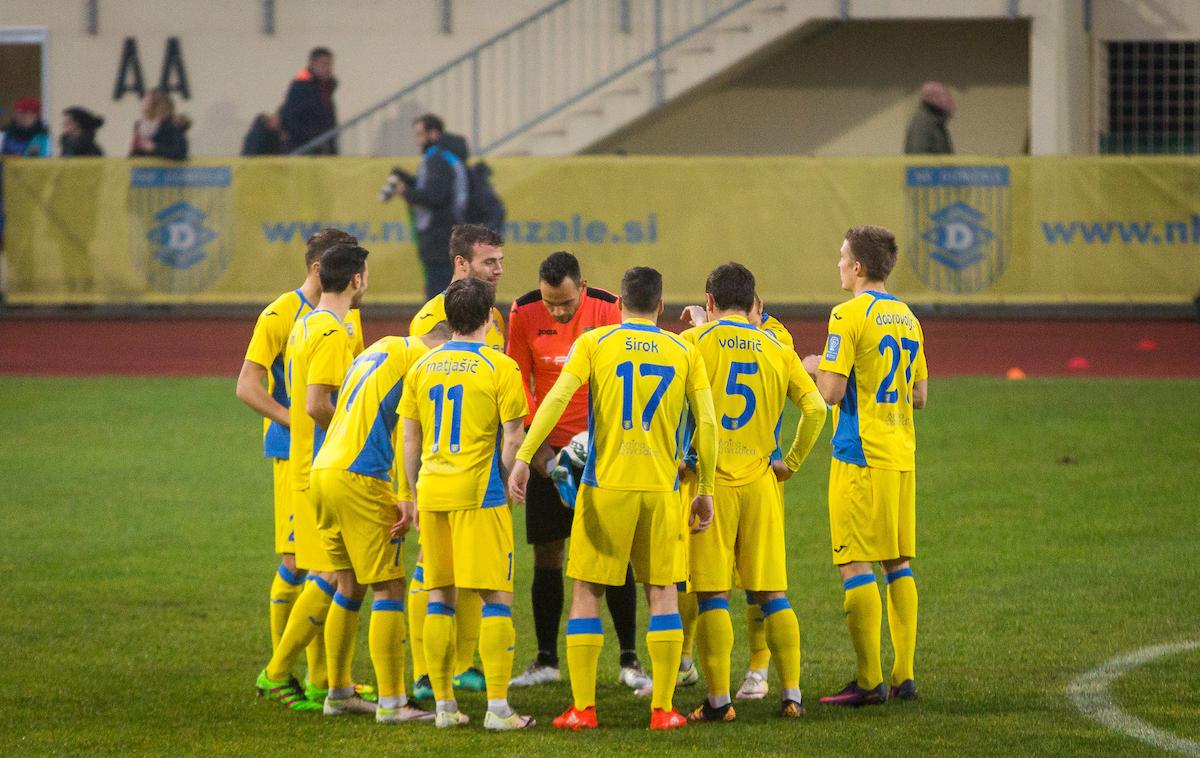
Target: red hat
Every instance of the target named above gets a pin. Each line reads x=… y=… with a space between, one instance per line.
x=28 y=105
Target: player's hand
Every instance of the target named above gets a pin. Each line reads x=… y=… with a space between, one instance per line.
x=685 y=471
x=406 y=517
x=782 y=472
x=702 y=513
x=517 y=479
x=542 y=462
x=694 y=315
x=811 y=363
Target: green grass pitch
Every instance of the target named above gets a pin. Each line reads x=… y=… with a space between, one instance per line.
x=1057 y=529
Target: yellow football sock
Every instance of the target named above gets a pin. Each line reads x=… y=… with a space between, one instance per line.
x=341 y=632
x=439 y=649
x=497 y=641
x=386 y=641
x=756 y=635
x=467 y=614
x=418 y=598
x=585 y=638
x=304 y=624
x=689 y=613
x=782 y=631
x=318 y=664
x=864 y=614
x=902 y=622
x=715 y=640
x=285 y=588
x=664 y=640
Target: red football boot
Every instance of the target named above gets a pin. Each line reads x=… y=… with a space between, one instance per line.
x=662 y=719
x=577 y=720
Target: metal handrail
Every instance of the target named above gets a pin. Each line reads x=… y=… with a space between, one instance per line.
x=472 y=58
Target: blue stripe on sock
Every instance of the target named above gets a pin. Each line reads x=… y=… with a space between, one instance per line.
x=497 y=609
x=858 y=581
x=350 y=604
x=774 y=606
x=584 y=626
x=419 y=574
x=665 y=622
x=325 y=586
x=441 y=609
x=899 y=574
x=288 y=576
x=750 y=598
x=714 y=604
x=388 y=605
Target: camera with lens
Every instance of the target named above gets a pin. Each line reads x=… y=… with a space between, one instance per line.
x=392 y=186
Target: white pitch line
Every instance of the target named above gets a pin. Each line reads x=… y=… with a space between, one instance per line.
x=1090 y=694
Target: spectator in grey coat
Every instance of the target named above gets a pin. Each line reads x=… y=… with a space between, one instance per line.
x=927 y=132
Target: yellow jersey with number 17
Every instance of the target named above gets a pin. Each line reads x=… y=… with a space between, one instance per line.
x=876 y=342
x=320 y=350
x=362 y=438
x=462 y=393
x=434 y=312
x=639 y=378
x=752 y=376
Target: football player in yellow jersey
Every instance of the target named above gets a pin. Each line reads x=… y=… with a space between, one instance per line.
x=318 y=356
x=362 y=525
x=264 y=361
x=873 y=371
x=456 y=399
x=753 y=376
x=639 y=379
x=475 y=252
x=754 y=685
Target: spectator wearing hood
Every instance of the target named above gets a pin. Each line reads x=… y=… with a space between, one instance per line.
x=160 y=132
x=927 y=133
x=438 y=197
x=26 y=134
x=265 y=136
x=78 y=136
x=308 y=110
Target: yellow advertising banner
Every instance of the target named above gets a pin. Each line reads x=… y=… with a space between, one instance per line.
x=979 y=231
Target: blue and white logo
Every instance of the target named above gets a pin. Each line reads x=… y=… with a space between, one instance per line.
x=959 y=222
x=179 y=225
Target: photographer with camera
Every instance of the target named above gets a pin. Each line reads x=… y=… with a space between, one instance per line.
x=438 y=195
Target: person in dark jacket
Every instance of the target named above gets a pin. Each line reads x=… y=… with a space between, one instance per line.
x=265 y=136
x=26 y=134
x=160 y=131
x=927 y=133
x=438 y=197
x=308 y=110
x=78 y=137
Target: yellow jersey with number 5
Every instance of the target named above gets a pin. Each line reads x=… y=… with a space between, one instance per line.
x=462 y=393
x=876 y=342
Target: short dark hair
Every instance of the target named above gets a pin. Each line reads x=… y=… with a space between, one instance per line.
x=339 y=264
x=464 y=238
x=431 y=122
x=319 y=52
x=641 y=289
x=469 y=304
x=559 y=266
x=731 y=286
x=875 y=248
x=324 y=239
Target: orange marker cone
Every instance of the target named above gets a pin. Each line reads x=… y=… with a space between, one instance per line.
x=1015 y=373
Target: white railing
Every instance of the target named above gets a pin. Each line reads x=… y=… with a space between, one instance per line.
x=533 y=71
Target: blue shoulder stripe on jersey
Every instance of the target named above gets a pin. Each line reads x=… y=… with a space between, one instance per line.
x=877 y=296
x=707 y=331
x=859 y=580
x=739 y=325
x=303 y=300
x=469 y=347
x=585 y=626
x=899 y=574
x=847 y=443
x=378 y=454
x=665 y=622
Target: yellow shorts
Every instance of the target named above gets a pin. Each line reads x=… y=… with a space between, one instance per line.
x=872 y=513
x=471 y=548
x=283 y=508
x=614 y=528
x=688 y=484
x=747 y=533
x=357 y=513
x=310 y=555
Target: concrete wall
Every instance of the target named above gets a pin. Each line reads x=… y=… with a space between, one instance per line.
x=850 y=88
x=234 y=70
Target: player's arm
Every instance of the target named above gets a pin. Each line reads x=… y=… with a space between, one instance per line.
x=544 y=420
x=252 y=390
x=920 y=369
x=920 y=394
x=412 y=452
x=832 y=369
x=320 y=403
x=804 y=393
x=514 y=434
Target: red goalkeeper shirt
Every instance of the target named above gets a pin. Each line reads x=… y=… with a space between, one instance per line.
x=540 y=346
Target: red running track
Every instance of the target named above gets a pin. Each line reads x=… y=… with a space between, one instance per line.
x=956 y=347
